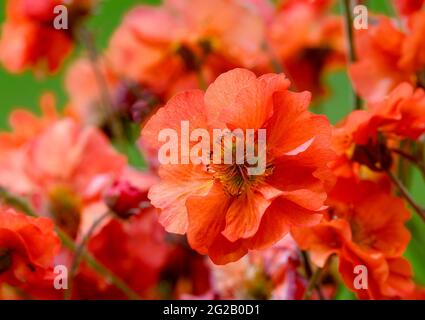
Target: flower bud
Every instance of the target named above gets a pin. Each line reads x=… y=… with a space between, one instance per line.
x=124 y=199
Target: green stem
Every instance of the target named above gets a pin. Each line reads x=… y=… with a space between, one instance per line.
x=67 y=242
x=412 y=159
x=405 y=193
x=313 y=283
x=80 y=250
x=347 y=8
x=314 y=278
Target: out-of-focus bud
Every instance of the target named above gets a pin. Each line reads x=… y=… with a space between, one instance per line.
x=125 y=200
x=134 y=102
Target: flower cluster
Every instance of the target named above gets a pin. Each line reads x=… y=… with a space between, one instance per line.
x=191 y=162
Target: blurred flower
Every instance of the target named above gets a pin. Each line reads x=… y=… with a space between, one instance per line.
x=307 y=42
x=268 y=274
x=223 y=212
x=408 y=7
x=85 y=93
x=61 y=167
x=133 y=249
x=27 y=248
x=183 y=43
x=95 y=101
x=29 y=39
x=186 y=273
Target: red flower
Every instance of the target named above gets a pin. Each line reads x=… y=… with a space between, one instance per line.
x=134 y=250
x=408 y=7
x=224 y=210
x=27 y=248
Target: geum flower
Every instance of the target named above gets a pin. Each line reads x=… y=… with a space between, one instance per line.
x=397 y=117
x=28 y=246
x=364 y=226
x=388 y=56
x=224 y=210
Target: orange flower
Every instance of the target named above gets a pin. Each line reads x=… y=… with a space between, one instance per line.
x=60 y=166
x=29 y=39
x=224 y=210
x=27 y=248
x=344 y=141
x=388 y=278
x=364 y=226
x=388 y=56
x=306 y=42
x=183 y=40
x=399 y=116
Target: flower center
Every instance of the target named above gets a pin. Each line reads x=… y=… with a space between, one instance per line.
x=236 y=174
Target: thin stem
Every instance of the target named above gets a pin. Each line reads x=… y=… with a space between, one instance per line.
x=67 y=242
x=351 y=45
x=16 y=202
x=80 y=250
x=106 y=100
x=314 y=283
x=412 y=159
x=405 y=193
x=306 y=264
x=314 y=278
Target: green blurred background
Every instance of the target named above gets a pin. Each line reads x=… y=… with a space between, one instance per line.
x=25 y=90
